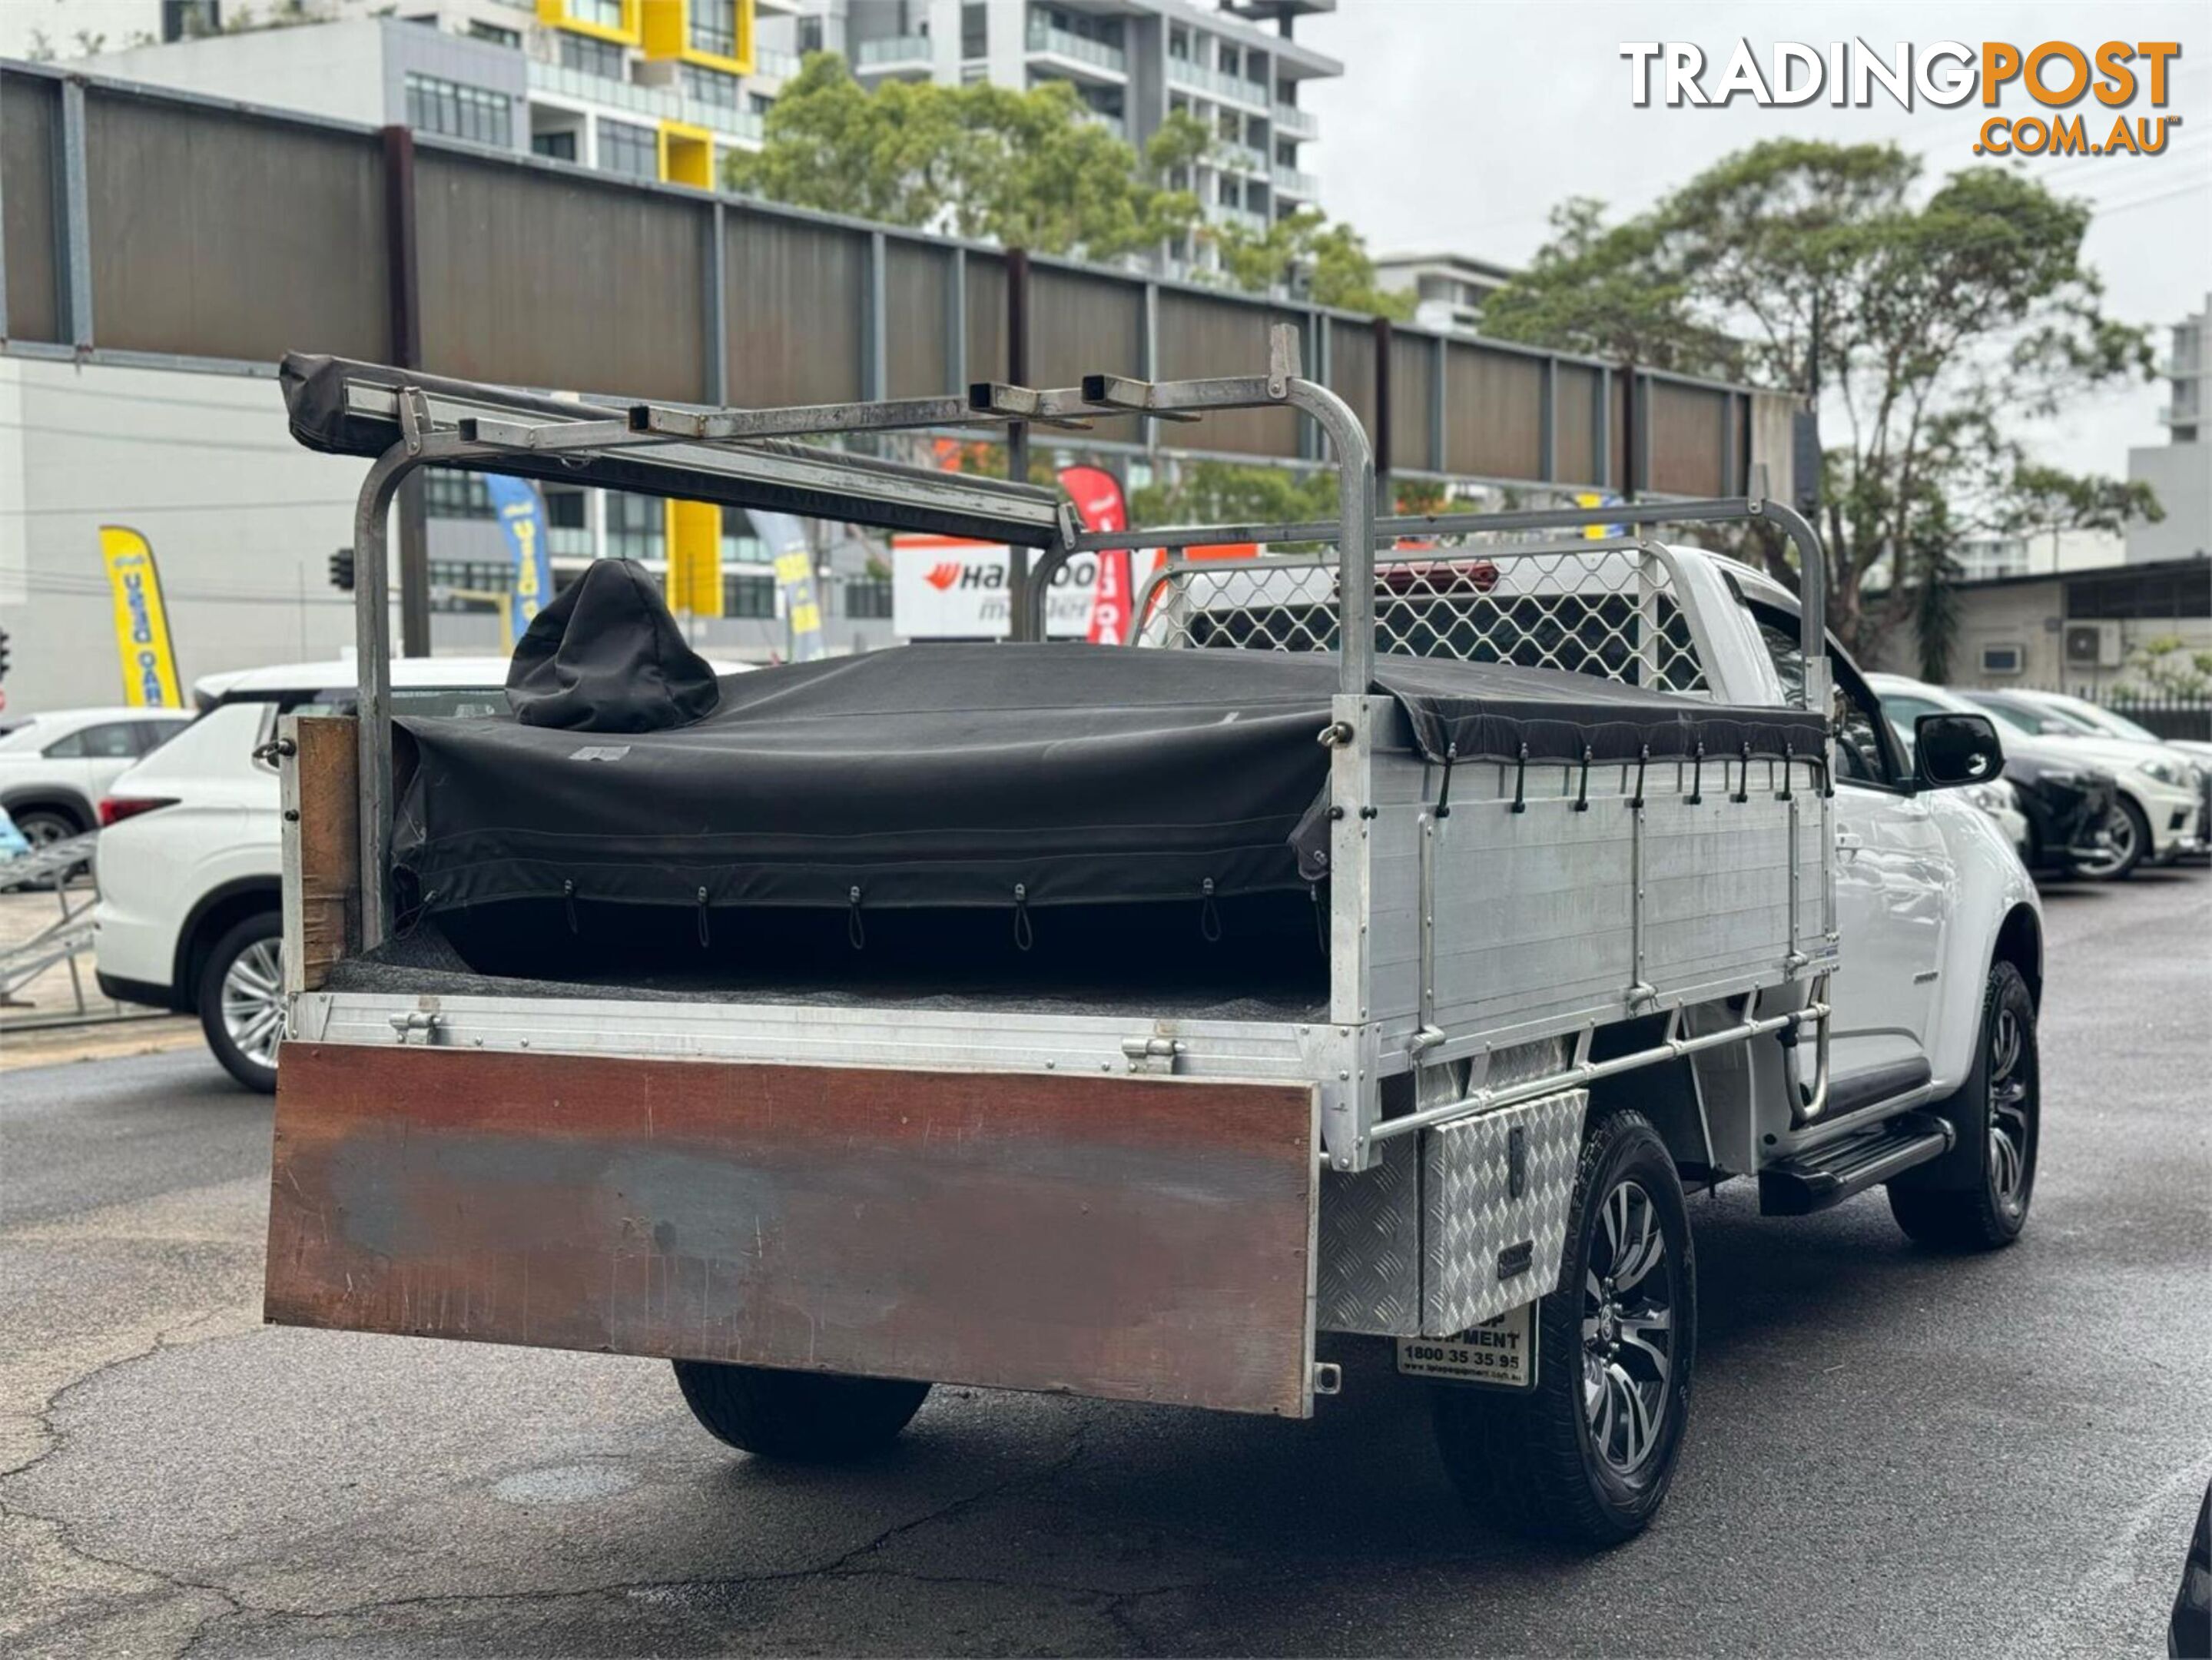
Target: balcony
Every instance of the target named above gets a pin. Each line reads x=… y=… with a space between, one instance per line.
x=1289 y=182
x=1233 y=157
x=1214 y=84
x=660 y=103
x=1076 y=48
x=892 y=54
x=773 y=64
x=1113 y=124
x=1253 y=224
x=1291 y=122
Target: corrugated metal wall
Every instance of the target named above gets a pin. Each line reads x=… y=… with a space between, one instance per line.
x=220 y=233
x=30 y=153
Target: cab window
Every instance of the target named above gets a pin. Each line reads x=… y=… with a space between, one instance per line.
x=1863 y=755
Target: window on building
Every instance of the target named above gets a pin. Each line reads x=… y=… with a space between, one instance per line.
x=974 y=30
x=1286 y=92
x=480 y=30
x=469 y=585
x=455 y=496
x=636 y=527
x=712 y=87
x=475 y=113
x=1179 y=44
x=559 y=146
x=809 y=35
x=869 y=600
x=632 y=151
x=601 y=58
x=746 y=594
x=759 y=103
x=607 y=14
x=568 y=530
x=1229 y=192
x=1999 y=659
x=715 y=27
x=188 y=20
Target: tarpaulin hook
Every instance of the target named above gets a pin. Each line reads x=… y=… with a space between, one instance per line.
x=1582 y=790
x=1520 y=782
x=1025 y=937
x=703 y=939
x=1697 y=779
x=854 y=933
x=1443 y=790
x=568 y=901
x=1642 y=760
x=1743 y=777
x=1209 y=914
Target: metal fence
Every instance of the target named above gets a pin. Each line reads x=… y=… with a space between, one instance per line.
x=141 y=225
x=2169 y=715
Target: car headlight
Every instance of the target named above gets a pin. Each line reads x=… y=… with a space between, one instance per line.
x=2164 y=771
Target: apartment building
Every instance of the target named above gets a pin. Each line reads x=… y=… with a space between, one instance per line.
x=1449 y=289
x=2180 y=469
x=1239 y=67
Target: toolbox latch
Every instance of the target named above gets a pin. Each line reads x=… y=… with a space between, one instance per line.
x=1156 y=1055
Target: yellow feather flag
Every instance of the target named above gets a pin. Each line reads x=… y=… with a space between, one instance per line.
x=141 y=621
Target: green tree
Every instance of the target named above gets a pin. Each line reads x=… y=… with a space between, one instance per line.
x=1023 y=168
x=1949 y=319
x=1303 y=252
x=2169 y=666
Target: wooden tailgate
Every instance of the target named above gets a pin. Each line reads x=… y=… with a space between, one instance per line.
x=1143 y=1239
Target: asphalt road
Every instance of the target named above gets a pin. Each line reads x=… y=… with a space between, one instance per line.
x=1890 y=1451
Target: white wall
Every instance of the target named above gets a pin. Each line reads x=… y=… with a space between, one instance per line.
x=335 y=70
x=242 y=522
x=2182 y=476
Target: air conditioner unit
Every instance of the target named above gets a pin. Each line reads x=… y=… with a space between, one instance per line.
x=2092 y=645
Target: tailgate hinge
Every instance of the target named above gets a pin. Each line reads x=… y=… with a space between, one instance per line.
x=1151 y=1054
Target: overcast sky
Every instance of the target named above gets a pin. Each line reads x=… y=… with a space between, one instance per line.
x=1458 y=124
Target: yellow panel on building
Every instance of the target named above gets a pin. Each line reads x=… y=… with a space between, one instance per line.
x=715 y=34
x=687 y=155
x=694 y=558
x=603 y=20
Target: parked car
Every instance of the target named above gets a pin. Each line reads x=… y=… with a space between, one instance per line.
x=54 y=768
x=2160 y=811
x=2095 y=720
x=190 y=915
x=2062 y=804
x=2188 y=1628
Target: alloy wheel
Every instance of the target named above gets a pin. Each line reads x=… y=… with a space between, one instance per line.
x=253 y=1002
x=2011 y=1132
x=1628 y=1329
x=2119 y=851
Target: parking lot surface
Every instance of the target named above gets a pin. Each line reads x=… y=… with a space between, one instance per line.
x=1889 y=1451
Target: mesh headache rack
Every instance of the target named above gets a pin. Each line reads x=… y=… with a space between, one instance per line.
x=1608 y=607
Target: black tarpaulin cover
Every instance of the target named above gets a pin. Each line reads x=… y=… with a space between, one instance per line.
x=606 y=656
x=982 y=775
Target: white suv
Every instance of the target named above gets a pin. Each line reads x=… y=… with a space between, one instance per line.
x=55 y=768
x=190 y=915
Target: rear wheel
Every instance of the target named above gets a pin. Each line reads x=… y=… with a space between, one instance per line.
x=242 y=999
x=803 y=1417
x=1997 y=1113
x=1588 y=1453
x=43 y=825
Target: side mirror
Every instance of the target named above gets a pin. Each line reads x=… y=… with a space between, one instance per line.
x=1952 y=750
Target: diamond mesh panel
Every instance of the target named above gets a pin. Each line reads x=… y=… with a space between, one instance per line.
x=1606 y=611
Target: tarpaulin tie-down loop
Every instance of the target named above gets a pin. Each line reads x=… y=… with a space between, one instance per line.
x=1642 y=760
x=855 y=935
x=1443 y=790
x=1582 y=790
x=1321 y=918
x=1788 y=767
x=703 y=939
x=1827 y=779
x=1697 y=796
x=1209 y=915
x=1520 y=782
x=1743 y=777
x=1024 y=936
x=568 y=901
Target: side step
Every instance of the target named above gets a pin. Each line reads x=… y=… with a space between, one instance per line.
x=1816 y=1179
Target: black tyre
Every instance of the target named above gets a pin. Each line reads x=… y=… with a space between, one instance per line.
x=803 y=1417
x=1588 y=1454
x=41 y=825
x=241 y=998
x=1976 y=1197
x=2129 y=845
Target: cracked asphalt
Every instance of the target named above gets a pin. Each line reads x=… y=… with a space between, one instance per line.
x=1890 y=1451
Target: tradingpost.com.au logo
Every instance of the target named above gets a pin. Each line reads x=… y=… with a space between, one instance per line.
x=2096 y=83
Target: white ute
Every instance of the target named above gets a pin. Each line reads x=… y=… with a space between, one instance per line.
x=1549 y=982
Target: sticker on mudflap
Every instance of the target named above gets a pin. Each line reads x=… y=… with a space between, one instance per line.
x=1501 y=1353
